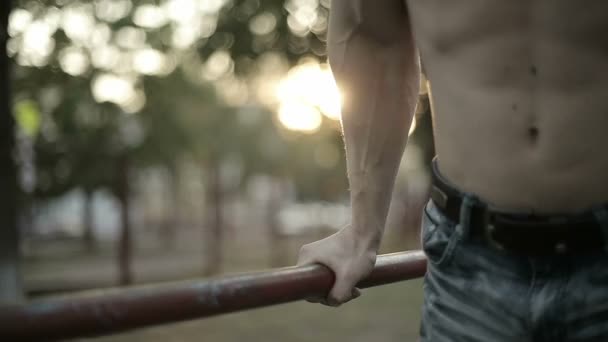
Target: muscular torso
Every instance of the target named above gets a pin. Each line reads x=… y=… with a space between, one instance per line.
x=520 y=98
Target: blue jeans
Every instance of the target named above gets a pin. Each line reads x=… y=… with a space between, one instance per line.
x=475 y=292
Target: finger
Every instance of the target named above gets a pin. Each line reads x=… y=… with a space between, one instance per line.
x=356 y=293
x=341 y=293
x=314 y=299
x=332 y=303
x=322 y=300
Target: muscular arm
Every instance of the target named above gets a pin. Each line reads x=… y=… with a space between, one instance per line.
x=372 y=55
x=374 y=61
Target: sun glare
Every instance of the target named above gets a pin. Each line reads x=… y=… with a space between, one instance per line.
x=298 y=117
x=308 y=91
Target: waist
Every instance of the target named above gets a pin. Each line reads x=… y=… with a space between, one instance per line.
x=528 y=181
x=549 y=159
x=523 y=232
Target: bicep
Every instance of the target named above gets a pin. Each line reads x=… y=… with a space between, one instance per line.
x=370 y=45
x=382 y=21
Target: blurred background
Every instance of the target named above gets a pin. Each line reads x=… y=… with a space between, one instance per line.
x=160 y=140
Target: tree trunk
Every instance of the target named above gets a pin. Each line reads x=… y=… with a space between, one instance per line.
x=169 y=222
x=278 y=246
x=214 y=220
x=87 y=222
x=125 y=243
x=10 y=281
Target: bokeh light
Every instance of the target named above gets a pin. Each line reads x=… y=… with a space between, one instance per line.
x=308 y=89
x=120 y=90
x=297 y=116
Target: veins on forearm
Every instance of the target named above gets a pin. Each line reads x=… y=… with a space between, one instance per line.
x=376 y=126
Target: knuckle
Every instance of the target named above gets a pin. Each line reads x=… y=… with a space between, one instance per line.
x=304 y=253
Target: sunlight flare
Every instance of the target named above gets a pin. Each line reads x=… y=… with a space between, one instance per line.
x=308 y=90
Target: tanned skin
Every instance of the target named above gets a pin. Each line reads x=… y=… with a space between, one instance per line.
x=520 y=108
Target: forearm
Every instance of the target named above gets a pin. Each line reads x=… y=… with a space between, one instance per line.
x=375 y=134
x=379 y=79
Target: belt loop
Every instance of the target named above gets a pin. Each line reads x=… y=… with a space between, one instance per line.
x=601 y=216
x=464 y=226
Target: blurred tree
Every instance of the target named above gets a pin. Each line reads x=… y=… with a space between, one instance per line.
x=78 y=151
x=88 y=148
x=251 y=28
x=125 y=248
x=123 y=86
x=86 y=140
x=10 y=281
x=248 y=30
x=182 y=120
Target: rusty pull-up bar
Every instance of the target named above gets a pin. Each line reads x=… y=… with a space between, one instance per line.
x=110 y=311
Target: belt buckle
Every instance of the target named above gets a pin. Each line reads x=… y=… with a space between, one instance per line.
x=489 y=229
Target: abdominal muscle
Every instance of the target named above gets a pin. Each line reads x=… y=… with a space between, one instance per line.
x=552 y=160
x=520 y=99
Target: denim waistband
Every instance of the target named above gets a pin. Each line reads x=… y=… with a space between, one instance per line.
x=464 y=208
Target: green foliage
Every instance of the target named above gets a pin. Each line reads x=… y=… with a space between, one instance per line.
x=79 y=141
x=79 y=147
x=234 y=32
x=27 y=116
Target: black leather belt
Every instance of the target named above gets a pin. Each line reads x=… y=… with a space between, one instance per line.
x=522 y=233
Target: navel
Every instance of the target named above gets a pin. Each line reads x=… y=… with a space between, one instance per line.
x=533 y=134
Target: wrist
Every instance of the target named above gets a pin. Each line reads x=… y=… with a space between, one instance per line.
x=369 y=210
x=366 y=237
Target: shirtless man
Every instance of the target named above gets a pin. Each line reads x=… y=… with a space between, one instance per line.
x=516 y=228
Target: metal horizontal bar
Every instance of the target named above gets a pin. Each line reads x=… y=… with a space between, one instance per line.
x=110 y=311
